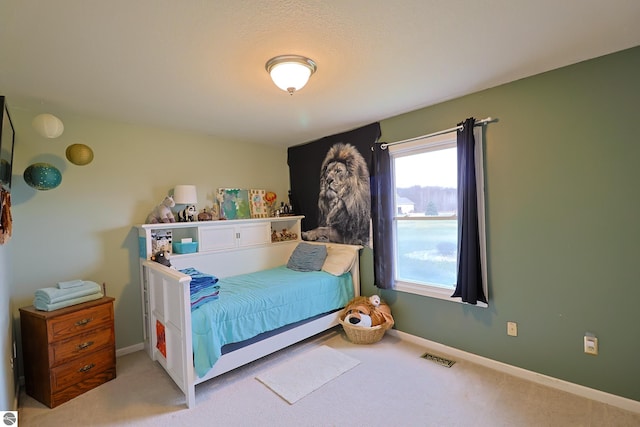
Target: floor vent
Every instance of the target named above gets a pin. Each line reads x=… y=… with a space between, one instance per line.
x=439 y=360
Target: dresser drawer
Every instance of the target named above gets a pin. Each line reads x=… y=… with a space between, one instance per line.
x=83 y=386
x=80 y=344
x=80 y=321
x=82 y=369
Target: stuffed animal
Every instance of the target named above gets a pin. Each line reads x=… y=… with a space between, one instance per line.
x=188 y=214
x=162 y=257
x=162 y=212
x=367 y=312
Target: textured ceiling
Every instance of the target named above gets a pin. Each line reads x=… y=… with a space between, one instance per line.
x=198 y=65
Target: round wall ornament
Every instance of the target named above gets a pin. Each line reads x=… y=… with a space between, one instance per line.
x=79 y=154
x=42 y=176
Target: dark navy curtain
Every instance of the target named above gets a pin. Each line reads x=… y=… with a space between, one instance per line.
x=469 y=282
x=382 y=218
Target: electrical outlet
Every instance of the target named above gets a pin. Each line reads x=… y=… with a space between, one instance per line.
x=512 y=329
x=591 y=345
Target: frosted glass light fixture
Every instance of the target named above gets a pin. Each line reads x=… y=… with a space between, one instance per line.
x=290 y=72
x=48 y=125
x=185 y=195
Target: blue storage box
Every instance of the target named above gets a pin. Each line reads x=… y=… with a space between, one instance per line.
x=185 y=248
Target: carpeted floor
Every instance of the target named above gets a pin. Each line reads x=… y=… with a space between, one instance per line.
x=392 y=386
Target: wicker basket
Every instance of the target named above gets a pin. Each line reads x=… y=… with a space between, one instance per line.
x=361 y=335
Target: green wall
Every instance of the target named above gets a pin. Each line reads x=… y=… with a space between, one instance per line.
x=562 y=176
x=8 y=400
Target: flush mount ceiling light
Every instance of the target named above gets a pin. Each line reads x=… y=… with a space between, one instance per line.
x=290 y=72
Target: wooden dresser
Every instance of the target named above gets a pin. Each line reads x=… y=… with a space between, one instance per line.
x=69 y=351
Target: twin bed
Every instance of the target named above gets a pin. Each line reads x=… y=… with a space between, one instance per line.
x=262 y=306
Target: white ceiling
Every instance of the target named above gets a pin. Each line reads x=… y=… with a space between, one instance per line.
x=199 y=64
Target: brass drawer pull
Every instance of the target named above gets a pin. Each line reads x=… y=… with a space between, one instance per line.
x=84 y=345
x=86 y=368
x=83 y=322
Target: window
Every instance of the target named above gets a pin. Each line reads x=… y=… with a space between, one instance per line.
x=425 y=225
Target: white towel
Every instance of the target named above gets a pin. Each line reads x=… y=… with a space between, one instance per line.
x=70 y=284
x=43 y=306
x=54 y=295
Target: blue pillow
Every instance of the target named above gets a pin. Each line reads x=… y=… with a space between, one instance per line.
x=307 y=257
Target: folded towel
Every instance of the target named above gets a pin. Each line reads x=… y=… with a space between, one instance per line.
x=202 y=287
x=197 y=287
x=70 y=284
x=40 y=304
x=203 y=299
x=198 y=277
x=199 y=281
x=55 y=295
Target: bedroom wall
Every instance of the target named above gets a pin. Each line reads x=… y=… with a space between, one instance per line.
x=8 y=401
x=562 y=206
x=84 y=227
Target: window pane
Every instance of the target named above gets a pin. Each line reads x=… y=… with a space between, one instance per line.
x=427 y=252
x=426 y=189
x=426 y=183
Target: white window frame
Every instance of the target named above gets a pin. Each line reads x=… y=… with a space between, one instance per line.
x=446 y=140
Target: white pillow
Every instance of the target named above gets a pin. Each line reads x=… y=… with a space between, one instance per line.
x=338 y=260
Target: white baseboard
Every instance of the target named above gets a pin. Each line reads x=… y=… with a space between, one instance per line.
x=130 y=349
x=589 y=393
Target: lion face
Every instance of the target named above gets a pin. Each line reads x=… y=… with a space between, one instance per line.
x=361 y=312
x=335 y=179
x=359 y=316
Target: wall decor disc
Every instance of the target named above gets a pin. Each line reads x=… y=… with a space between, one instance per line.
x=42 y=176
x=48 y=125
x=79 y=154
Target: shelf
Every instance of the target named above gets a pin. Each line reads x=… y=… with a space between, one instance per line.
x=195 y=224
x=220 y=235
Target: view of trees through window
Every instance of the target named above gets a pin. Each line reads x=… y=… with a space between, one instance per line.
x=426 y=223
x=431 y=201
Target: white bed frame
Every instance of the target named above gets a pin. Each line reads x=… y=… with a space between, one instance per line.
x=168 y=302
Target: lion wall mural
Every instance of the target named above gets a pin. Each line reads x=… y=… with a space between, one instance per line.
x=330 y=186
x=344 y=198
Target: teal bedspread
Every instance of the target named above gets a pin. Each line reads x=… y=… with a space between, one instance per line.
x=251 y=304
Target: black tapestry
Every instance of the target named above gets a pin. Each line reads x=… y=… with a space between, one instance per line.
x=330 y=186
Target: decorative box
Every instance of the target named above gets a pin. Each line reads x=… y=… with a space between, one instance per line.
x=185 y=248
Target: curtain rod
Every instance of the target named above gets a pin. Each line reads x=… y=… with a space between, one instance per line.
x=478 y=123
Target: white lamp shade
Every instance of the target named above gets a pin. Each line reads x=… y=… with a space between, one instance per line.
x=185 y=195
x=48 y=125
x=290 y=75
x=290 y=72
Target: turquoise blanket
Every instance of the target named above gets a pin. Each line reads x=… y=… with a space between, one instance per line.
x=251 y=304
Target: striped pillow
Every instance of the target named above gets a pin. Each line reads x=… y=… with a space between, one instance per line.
x=307 y=257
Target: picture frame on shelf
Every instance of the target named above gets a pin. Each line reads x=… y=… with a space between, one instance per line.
x=259 y=207
x=234 y=203
x=161 y=240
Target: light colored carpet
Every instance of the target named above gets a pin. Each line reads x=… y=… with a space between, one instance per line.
x=295 y=378
x=392 y=386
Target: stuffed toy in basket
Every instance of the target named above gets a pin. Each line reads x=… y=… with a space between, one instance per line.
x=366 y=319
